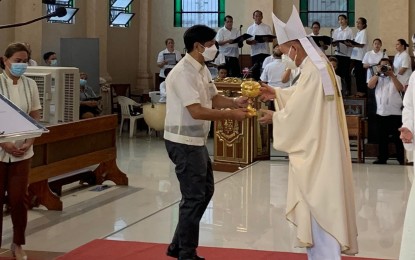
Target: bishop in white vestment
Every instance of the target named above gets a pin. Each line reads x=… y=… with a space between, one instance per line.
x=310 y=125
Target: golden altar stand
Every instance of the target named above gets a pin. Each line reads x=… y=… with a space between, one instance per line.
x=239 y=143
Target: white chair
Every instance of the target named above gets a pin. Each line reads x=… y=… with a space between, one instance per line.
x=125 y=104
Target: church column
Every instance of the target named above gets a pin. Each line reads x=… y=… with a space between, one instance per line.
x=97 y=27
x=27 y=10
x=144 y=77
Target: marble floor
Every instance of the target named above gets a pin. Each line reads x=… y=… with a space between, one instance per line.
x=247 y=210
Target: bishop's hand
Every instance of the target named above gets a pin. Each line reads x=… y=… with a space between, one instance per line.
x=267 y=92
x=406 y=135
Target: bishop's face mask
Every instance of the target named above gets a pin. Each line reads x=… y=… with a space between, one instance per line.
x=288 y=61
x=209 y=53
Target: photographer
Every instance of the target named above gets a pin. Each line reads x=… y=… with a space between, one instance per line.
x=388 y=94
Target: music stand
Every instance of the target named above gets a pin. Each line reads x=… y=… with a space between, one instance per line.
x=15 y=124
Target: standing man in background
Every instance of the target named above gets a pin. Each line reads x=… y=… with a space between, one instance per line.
x=225 y=37
x=276 y=73
x=259 y=47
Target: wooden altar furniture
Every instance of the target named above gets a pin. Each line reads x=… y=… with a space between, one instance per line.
x=70 y=147
x=356 y=133
x=239 y=143
x=355 y=109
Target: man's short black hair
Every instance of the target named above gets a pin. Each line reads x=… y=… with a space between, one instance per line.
x=47 y=55
x=227 y=17
x=198 y=33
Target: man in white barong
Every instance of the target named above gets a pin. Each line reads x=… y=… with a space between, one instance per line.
x=407 y=130
x=310 y=125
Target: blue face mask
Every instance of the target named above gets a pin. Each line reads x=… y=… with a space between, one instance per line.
x=82 y=82
x=54 y=62
x=17 y=69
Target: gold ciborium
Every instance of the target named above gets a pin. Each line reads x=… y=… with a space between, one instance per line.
x=251 y=90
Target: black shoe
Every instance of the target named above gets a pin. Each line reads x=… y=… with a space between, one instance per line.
x=173 y=251
x=379 y=162
x=196 y=257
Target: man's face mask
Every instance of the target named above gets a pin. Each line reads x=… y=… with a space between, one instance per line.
x=209 y=53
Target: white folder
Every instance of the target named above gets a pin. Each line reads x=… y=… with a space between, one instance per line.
x=15 y=124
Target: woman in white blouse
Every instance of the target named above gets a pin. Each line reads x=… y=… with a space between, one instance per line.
x=358 y=52
x=343 y=51
x=402 y=62
x=15 y=157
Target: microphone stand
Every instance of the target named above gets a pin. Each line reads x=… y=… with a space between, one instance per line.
x=331 y=42
x=32 y=21
x=240 y=51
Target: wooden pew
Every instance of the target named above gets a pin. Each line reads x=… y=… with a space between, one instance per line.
x=73 y=146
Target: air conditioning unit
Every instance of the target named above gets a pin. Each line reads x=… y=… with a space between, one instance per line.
x=44 y=85
x=65 y=92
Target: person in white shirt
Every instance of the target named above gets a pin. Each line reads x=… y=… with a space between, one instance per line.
x=370 y=61
x=402 y=62
x=343 y=52
x=267 y=61
x=193 y=101
x=373 y=57
x=259 y=48
x=407 y=130
x=230 y=50
x=358 y=52
x=273 y=73
x=15 y=156
x=30 y=62
x=315 y=27
x=388 y=110
x=163 y=95
x=162 y=62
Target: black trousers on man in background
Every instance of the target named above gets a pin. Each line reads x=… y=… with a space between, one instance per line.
x=258 y=60
x=232 y=64
x=343 y=70
x=195 y=174
x=388 y=127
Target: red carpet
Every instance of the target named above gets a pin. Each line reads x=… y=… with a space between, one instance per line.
x=127 y=250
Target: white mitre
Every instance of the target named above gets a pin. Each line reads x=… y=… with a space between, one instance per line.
x=294 y=30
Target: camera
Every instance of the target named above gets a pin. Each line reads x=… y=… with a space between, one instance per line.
x=385 y=68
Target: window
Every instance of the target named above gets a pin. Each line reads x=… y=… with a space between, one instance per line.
x=326 y=12
x=120 y=13
x=70 y=11
x=190 y=12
